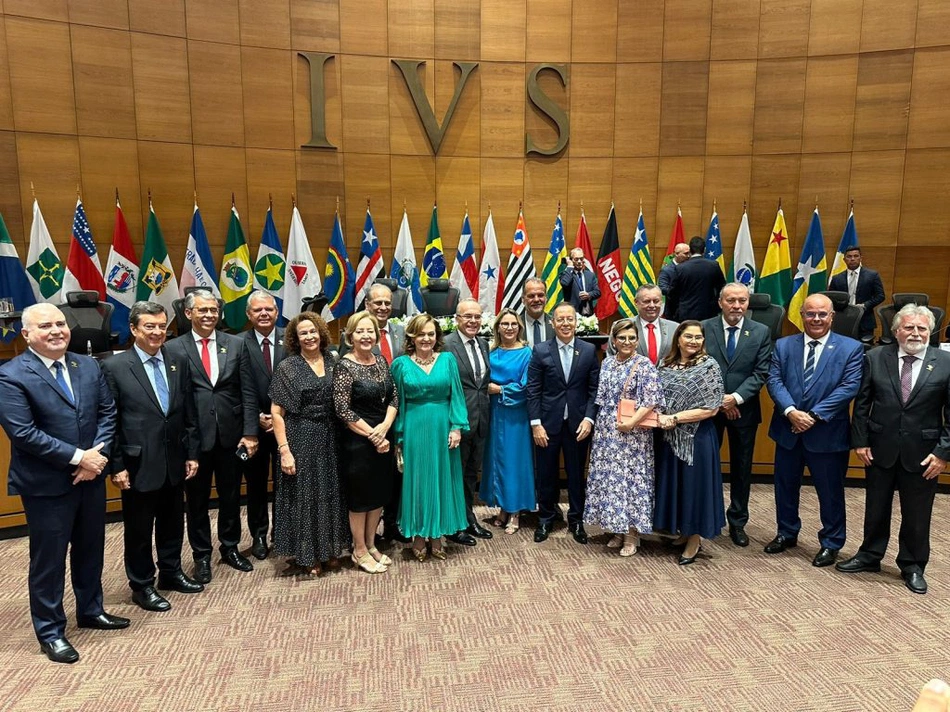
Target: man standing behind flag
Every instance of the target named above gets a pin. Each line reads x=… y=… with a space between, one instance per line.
x=157 y=282
x=465 y=271
x=198 y=270
x=404 y=269
x=812 y=274
x=83 y=269
x=639 y=270
x=236 y=282
x=714 y=242
x=433 y=261
x=13 y=280
x=677 y=235
x=578 y=282
x=520 y=267
x=43 y=265
x=370 y=266
x=270 y=269
x=863 y=285
x=554 y=264
x=122 y=275
x=303 y=278
x=776 y=277
x=608 y=268
x=491 y=281
x=340 y=278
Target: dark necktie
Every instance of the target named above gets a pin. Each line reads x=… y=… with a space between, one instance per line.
x=61 y=380
x=475 y=362
x=810 y=362
x=265 y=349
x=907 y=371
x=161 y=387
x=731 y=343
x=537 y=332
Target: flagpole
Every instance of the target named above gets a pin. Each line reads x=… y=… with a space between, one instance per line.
x=270 y=202
x=117 y=195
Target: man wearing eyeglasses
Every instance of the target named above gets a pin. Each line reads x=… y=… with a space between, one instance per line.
x=812 y=379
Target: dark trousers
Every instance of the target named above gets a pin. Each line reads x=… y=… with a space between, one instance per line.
x=162 y=512
x=76 y=521
x=916 y=501
x=827 y=473
x=226 y=468
x=258 y=470
x=391 y=508
x=472 y=450
x=741 y=448
x=548 y=475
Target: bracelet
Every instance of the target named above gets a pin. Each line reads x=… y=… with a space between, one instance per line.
x=283 y=445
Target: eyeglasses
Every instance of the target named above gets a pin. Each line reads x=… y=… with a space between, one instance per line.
x=507 y=326
x=816 y=315
x=625 y=339
x=692 y=337
x=564 y=320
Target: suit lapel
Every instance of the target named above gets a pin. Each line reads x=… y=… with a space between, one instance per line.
x=461 y=355
x=74 y=377
x=36 y=365
x=926 y=368
x=717 y=338
x=191 y=348
x=138 y=372
x=257 y=355
x=224 y=353
x=827 y=354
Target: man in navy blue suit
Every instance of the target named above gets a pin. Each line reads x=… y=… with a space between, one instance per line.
x=60 y=418
x=812 y=380
x=579 y=285
x=562 y=383
x=864 y=288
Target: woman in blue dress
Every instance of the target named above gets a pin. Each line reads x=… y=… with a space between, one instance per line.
x=508 y=467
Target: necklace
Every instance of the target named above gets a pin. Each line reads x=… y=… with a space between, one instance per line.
x=424 y=361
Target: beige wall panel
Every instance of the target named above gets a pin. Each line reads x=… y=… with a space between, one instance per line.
x=164 y=18
x=11 y=207
x=824 y=176
x=835 y=27
x=541 y=129
x=42 y=9
x=593 y=92
x=883 y=100
x=168 y=170
x=102 y=74
x=683 y=108
x=6 y=98
x=680 y=183
x=926 y=181
x=457 y=32
x=366 y=123
x=876 y=182
x=730 y=110
x=456 y=184
x=545 y=185
x=783 y=28
x=367 y=176
x=213 y=20
x=830 y=88
x=265 y=24
x=640 y=31
x=503 y=30
x=162 y=99
x=501 y=187
x=363 y=28
x=687 y=29
x=407 y=134
x=637 y=125
x=779 y=101
x=270 y=173
x=217 y=96
x=727 y=181
x=888 y=25
x=548 y=31
x=413 y=186
x=933 y=23
x=774 y=178
x=268 y=90
x=102 y=13
x=635 y=180
x=319 y=183
x=315 y=25
x=735 y=29
x=589 y=186
x=51 y=163
x=929 y=110
x=41 y=76
x=411 y=29
x=463 y=134
x=333 y=100
x=594 y=31
x=502 y=108
x=913 y=272
x=107 y=164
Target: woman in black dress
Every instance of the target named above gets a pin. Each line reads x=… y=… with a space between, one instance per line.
x=311 y=526
x=365 y=399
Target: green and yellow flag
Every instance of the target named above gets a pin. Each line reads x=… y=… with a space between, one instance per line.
x=554 y=263
x=776 y=276
x=235 y=282
x=433 y=260
x=639 y=270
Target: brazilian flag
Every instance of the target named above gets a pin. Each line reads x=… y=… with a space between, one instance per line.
x=236 y=282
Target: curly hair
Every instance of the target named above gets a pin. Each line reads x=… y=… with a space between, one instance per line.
x=292 y=343
x=414 y=328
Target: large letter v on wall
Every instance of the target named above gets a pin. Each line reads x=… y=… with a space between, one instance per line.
x=410 y=72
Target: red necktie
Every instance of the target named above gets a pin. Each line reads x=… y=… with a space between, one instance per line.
x=651 y=342
x=384 y=346
x=206 y=356
x=265 y=349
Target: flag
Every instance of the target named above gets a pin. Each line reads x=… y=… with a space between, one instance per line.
x=236 y=280
x=83 y=268
x=465 y=271
x=812 y=274
x=303 y=278
x=608 y=269
x=639 y=270
x=491 y=281
x=714 y=243
x=776 y=276
x=340 y=278
x=433 y=261
x=370 y=266
x=270 y=269
x=520 y=268
x=43 y=267
x=677 y=235
x=554 y=264
x=582 y=241
x=198 y=270
x=404 y=269
x=122 y=275
x=849 y=240
x=742 y=269
x=157 y=282
x=14 y=282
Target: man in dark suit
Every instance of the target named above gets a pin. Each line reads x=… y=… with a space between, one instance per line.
x=227 y=420
x=534 y=297
x=264 y=344
x=743 y=349
x=901 y=432
x=471 y=352
x=812 y=379
x=579 y=285
x=864 y=288
x=562 y=383
x=696 y=285
x=60 y=418
x=156 y=450
x=664 y=279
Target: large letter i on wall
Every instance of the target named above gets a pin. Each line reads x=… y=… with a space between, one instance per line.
x=318 y=100
x=410 y=72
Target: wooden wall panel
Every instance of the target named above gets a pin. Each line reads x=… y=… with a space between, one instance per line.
x=913 y=271
x=887 y=25
x=882 y=101
x=105 y=165
x=730 y=108
x=266 y=24
x=726 y=181
x=10 y=197
x=589 y=186
x=594 y=31
x=366 y=123
x=213 y=20
x=41 y=9
x=503 y=30
x=270 y=174
x=501 y=188
x=168 y=171
x=51 y=164
x=876 y=183
x=640 y=31
x=502 y=108
x=457 y=34
x=315 y=25
x=363 y=28
x=783 y=28
x=593 y=91
x=41 y=76
x=165 y=18
x=6 y=98
x=933 y=23
x=367 y=176
x=637 y=124
x=926 y=176
x=735 y=29
x=268 y=91
x=779 y=103
x=413 y=186
x=455 y=190
x=463 y=135
x=545 y=185
x=830 y=89
x=162 y=99
x=823 y=181
x=774 y=178
x=835 y=27
x=686 y=30
x=635 y=181
x=548 y=31
x=411 y=29
x=929 y=121
x=217 y=97
x=881 y=259
x=102 y=13
x=220 y=172
x=680 y=182
x=683 y=108
x=102 y=75
x=319 y=183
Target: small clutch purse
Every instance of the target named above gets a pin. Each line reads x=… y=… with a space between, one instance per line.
x=399 y=461
x=628 y=407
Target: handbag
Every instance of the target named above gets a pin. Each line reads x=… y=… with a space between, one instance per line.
x=400 y=465
x=627 y=408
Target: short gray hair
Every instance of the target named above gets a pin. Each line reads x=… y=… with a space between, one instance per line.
x=644 y=287
x=198 y=294
x=26 y=317
x=377 y=287
x=911 y=310
x=736 y=285
x=258 y=295
x=467 y=300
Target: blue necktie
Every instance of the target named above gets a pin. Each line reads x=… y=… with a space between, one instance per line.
x=810 y=362
x=537 y=333
x=160 y=386
x=566 y=358
x=61 y=380
x=731 y=343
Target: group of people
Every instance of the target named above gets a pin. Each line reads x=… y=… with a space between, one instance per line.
x=406 y=425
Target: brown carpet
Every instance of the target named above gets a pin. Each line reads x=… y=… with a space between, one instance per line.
x=509 y=626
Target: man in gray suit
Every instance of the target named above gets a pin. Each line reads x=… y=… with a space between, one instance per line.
x=471 y=352
x=743 y=350
x=537 y=324
x=656 y=333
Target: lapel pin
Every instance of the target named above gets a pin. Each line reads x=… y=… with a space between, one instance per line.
x=73 y=364
x=223 y=350
x=830 y=346
x=172 y=367
x=930 y=367
x=280 y=342
x=745 y=333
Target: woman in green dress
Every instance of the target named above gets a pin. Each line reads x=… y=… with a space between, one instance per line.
x=428 y=428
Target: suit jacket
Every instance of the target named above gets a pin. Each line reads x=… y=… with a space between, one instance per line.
x=228 y=409
x=150 y=444
x=548 y=391
x=571 y=289
x=664 y=280
x=835 y=383
x=694 y=292
x=397 y=334
x=745 y=374
x=45 y=428
x=475 y=390
x=548 y=328
x=897 y=431
x=869 y=291
x=260 y=378
x=667 y=328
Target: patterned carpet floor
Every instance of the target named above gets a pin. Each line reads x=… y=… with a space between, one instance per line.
x=507 y=626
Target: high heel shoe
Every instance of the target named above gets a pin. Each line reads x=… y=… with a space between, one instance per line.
x=438 y=552
x=631 y=542
x=615 y=542
x=381 y=558
x=368 y=563
x=687 y=560
x=513 y=525
x=420 y=554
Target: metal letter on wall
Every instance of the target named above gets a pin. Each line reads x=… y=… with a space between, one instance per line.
x=410 y=72
x=554 y=112
x=318 y=100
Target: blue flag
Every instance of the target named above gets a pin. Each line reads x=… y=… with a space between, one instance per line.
x=849 y=239
x=270 y=269
x=13 y=281
x=199 y=269
x=812 y=274
x=714 y=243
x=340 y=282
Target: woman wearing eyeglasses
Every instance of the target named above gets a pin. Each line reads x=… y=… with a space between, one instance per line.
x=688 y=479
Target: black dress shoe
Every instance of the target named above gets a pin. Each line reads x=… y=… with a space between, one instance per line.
x=150 y=599
x=687 y=560
x=542 y=532
x=577 y=531
x=181 y=583
x=825 y=557
x=780 y=544
x=856 y=564
x=203 y=569
x=738 y=536
x=463 y=538
x=915 y=582
x=104 y=621
x=479 y=531
x=59 y=651
x=259 y=548
x=234 y=559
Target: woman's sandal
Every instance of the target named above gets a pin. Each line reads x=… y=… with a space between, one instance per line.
x=513 y=525
x=380 y=557
x=631 y=542
x=616 y=541
x=368 y=563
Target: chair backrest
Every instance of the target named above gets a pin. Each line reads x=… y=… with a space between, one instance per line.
x=316 y=303
x=902 y=299
x=440 y=298
x=89 y=321
x=847 y=316
x=763 y=311
x=939 y=316
x=839 y=300
x=182 y=322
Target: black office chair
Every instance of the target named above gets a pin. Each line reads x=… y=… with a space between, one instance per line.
x=89 y=321
x=886 y=312
x=763 y=311
x=847 y=316
x=440 y=298
x=316 y=303
x=182 y=322
x=400 y=296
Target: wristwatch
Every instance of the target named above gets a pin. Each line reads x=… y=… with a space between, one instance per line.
x=814 y=416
